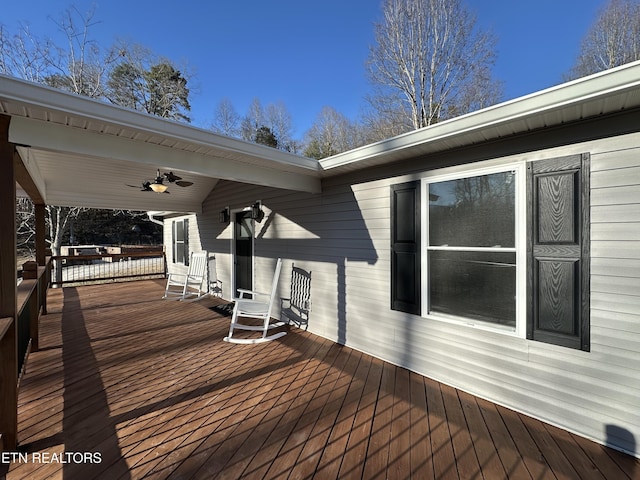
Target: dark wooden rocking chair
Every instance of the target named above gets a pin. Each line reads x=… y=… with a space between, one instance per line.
x=296 y=309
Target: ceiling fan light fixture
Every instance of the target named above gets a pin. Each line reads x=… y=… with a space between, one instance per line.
x=158 y=187
x=158 y=184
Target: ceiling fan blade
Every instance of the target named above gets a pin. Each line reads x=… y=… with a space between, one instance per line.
x=172 y=177
x=146 y=186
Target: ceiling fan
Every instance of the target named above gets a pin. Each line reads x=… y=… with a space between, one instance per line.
x=157 y=185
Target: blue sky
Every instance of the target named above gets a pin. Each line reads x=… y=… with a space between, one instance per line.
x=310 y=54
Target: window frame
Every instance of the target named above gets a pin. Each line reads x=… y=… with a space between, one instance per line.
x=185 y=241
x=519 y=248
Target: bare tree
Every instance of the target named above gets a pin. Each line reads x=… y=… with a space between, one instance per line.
x=278 y=120
x=59 y=219
x=430 y=62
x=25 y=226
x=23 y=55
x=270 y=125
x=383 y=119
x=226 y=119
x=252 y=121
x=80 y=66
x=613 y=39
x=332 y=133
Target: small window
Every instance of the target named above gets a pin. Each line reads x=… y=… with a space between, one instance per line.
x=181 y=241
x=472 y=251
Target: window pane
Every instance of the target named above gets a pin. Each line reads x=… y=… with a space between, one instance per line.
x=244 y=227
x=179 y=231
x=475 y=285
x=473 y=212
x=179 y=252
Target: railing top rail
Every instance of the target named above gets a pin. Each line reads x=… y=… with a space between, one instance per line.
x=28 y=285
x=108 y=267
x=5 y=323
x=96 y=256
x=24 y=291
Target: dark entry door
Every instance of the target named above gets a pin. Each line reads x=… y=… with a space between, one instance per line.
x=243 y=261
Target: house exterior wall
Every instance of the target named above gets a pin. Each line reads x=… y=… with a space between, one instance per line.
x=343 y=236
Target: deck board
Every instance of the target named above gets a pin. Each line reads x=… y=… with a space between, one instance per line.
x=529 y=452
x=485 y=450
x=444 y=462
x=151 y=387
x=465 y=455
x=420 y=452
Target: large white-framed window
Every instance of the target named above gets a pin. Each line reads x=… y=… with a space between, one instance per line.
x=473 y=243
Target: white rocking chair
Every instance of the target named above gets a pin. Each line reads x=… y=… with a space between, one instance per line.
x=189 y=286
x=257 y=309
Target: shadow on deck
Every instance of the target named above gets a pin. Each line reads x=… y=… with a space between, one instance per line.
x=126 y=385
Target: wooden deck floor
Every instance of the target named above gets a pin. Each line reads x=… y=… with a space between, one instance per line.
x=129 y=386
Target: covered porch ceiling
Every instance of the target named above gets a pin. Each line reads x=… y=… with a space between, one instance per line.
x=82 y=152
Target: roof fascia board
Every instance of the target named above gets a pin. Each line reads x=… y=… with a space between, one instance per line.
x=55 y=137
x=48 y=98
x=616 y=80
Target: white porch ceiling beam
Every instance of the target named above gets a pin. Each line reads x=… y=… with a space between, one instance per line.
x=53 y=137
x=33 y=171
x=149 y=202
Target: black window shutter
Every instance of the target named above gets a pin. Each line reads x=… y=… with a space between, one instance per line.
x=186 y=241
x=558 y=251
x=405 y=247
x=173 y=242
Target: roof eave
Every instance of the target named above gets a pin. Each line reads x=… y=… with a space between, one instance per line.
x=92 y=110
x=614 y=82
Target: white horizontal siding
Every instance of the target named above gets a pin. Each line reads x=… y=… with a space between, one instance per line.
x=622 y=213
x=625 y=195
x=615 y=303
x=614 y=267
x=342 y=237
x=614 y=361
x=615 y=285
